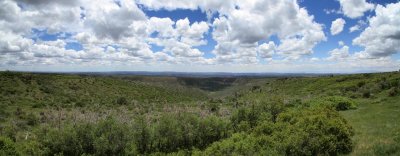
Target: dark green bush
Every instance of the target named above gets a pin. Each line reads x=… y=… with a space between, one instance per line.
x=7 y=147
x=394 y=91
x=309 y=131
x=313 y=131
x=361 y=84
x=337 y=102
x=366 y=94
x=122 y=101
x=31 y=119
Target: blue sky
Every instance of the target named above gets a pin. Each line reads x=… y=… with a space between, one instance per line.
x=225 y=36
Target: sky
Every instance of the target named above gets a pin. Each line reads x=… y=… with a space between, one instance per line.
x=286 y=36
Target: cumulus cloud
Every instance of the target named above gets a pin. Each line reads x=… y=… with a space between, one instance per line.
x=178 y=38
x=266 y=50
x=355 y=8
x=360 y=25
x=337 y=26
x=341 y=43
x=108 y=19
x=354 y=28
x=11 y=43
x=339 y=53
x=120 y=33
x=253 y=21
x=382 y=36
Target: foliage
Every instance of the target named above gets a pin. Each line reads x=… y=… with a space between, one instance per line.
x=337 y=102
x=56 y=114
x=7 y=147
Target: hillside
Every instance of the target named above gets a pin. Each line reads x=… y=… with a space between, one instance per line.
x=70 y=114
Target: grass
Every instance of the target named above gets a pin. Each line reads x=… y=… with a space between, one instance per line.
x=375 y=123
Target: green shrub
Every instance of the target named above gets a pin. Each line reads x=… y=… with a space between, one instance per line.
x=122 y=101
x=307 y=131
x=30 y=147
x=366 y=94
x=361 y=84
x=394 y=91
x=61 y=142
x=313 y=131
x=337 y=102
x=242 y=144
x=31 y=119
x=7 y=147
x=110 y=138
x=213 y=106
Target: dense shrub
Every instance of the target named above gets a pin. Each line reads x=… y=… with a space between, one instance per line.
x=122 y=101
x=310 y=131
x=361 y=84
x=393 y=91
x=313 y=131
x=366 y=94
x=30 y=147
x=31 y=119
x=337 y=102
x=7 y=147
x=241 y=144
x=108 y=137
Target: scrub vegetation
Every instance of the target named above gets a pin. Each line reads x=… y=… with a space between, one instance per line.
x=71 y=114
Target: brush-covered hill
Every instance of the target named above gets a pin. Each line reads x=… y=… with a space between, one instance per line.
x=63 y=90
x=69 y=114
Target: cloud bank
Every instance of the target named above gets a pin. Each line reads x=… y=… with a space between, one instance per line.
x=119 y=33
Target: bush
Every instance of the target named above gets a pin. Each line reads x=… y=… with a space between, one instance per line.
x=213 y=106
x=7 y=146
x=61 y=142
x=361 y=83
x=366 y=94
x=339 y=103
x=393 y=91
x=241 y=144
x=30 y=147
x=303 y=131
x=31 y=119
x=110 y=138
x=122 y=101
x=313 y=131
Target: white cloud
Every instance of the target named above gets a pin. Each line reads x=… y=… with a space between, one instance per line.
x=253 y=21
x=100 y=23
x=332 y=11
x=360 y=25
x=339 y=54
x=354 y=28
x=11 y=43
x=266 y=50
x=164 y=26
x=109 y=20
x=355 y=8
x=192 y=34
x=341 y=43
x=178 y=38
x=119 y=33
x=337 y=26
x=382 y=37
